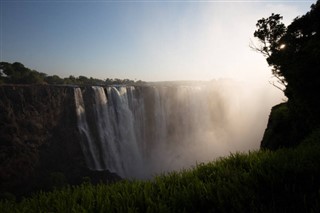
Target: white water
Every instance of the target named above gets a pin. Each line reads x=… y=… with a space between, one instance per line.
x=142 y=131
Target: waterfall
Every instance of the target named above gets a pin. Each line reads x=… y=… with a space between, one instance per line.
x=111 y=142
x=89 y=149
x=137 y=132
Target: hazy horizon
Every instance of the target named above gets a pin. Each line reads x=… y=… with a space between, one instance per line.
x=140 y=40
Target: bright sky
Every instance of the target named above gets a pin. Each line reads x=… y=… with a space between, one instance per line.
x=142 y=40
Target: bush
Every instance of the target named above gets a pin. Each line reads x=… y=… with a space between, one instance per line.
x=286 y=180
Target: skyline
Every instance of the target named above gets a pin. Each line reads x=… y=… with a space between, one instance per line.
x=140 y=40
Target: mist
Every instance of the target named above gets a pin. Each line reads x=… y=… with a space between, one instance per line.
x=224 y=117
x=139 y=132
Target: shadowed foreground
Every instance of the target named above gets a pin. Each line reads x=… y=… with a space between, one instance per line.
x=286 y=180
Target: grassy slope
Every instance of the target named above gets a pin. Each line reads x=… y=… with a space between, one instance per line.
x=287 y=180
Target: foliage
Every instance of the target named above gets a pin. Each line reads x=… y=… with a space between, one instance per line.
x=57 y=180
x=278 y=132
x=294 y=53
x=269 y=32
x=287 y=180
x=17 y=73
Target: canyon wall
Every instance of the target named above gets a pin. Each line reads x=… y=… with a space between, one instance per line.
x=39 y=139
x=54 y=135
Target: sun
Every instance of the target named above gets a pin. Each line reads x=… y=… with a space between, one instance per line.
x=282 y=46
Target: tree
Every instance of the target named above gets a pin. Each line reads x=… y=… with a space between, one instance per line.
x=293 y=52
x=54 y=79
x=82 y=80
x=17 y=73
x=269 y=32
x=70 y=80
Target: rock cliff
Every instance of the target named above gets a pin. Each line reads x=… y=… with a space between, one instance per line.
x=39 y=139
x=282 y=129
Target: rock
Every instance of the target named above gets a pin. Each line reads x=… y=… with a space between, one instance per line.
x=280 y=131
x=38 y=138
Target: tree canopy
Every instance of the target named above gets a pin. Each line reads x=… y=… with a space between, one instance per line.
x=17 y=73
x=293 y=52
x=269 y=32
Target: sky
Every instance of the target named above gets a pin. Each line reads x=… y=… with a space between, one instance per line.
x=140 y=40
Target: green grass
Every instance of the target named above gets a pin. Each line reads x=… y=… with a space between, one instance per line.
x=287 y=180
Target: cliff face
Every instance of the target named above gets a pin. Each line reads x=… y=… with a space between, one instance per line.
x=39 y=140
x=282 y=129
x=51 y=135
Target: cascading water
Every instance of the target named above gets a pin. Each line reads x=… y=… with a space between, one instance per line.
x=139 y=131
x=110 y=141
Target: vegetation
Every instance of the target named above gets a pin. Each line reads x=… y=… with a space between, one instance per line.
x=278 y=133
x=17 y=73
x=286 y=180
x=293 y=52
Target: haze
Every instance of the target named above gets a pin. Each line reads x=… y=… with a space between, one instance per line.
x=140 y=40
x=159 y=41
x=215 y=120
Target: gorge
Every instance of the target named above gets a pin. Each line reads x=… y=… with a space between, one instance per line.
x=131 y=131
